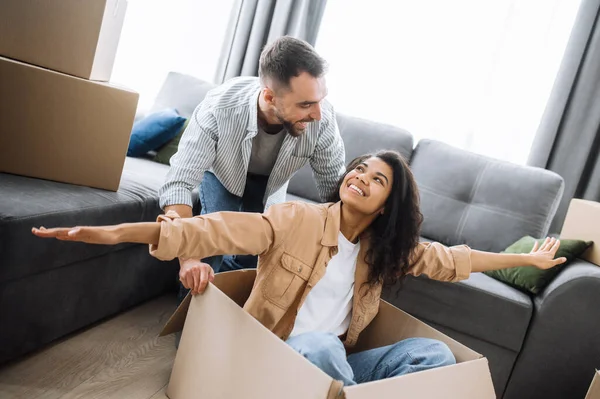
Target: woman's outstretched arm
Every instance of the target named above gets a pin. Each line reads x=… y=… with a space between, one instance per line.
x=220 y=233
x=140 y=233
x=456 y=263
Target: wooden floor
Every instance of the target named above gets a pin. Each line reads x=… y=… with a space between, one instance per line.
x=119 y=358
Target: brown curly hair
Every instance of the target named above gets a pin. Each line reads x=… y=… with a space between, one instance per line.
x=395 y=234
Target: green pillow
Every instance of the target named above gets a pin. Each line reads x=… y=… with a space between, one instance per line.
x=529 y=278
x=164 y=153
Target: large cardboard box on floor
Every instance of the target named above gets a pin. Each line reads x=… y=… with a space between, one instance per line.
x=226 y=353
x=75 y=37
x=594 y=391
x=579 y=225
x=58 y=127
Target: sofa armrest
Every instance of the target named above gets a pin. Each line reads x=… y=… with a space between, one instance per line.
x=563 y=343
x=579 y=272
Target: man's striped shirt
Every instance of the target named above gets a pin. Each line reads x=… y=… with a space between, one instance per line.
x=219 y=136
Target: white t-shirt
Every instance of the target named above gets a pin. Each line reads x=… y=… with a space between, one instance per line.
x=328 y=306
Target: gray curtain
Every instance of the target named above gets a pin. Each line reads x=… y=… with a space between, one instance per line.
x=568 y=138
x=255 y=23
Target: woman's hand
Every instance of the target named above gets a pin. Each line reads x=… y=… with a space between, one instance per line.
x=542 y=256
x=91 y=235
x=195 y=275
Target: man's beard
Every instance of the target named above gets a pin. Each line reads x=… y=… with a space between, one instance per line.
x=291 y=127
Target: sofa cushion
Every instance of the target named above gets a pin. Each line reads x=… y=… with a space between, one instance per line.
x=164 y=153
x=154 y=131
x=360 y=137
x=479 y=201
x=27 y=202
x=531 y=279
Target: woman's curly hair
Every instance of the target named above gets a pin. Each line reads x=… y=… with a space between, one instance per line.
x=395 y=234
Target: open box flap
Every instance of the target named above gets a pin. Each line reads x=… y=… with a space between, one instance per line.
x=237 y=288
x=469 y=380
x=594 y=391
x=226 y=353
x=392 y=325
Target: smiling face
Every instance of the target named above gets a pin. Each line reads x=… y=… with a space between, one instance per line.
x=367 y=187
x=299 y=104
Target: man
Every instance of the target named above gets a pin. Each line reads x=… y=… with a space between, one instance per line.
x=248 y=137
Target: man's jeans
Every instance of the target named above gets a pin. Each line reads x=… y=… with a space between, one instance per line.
x=326 y=351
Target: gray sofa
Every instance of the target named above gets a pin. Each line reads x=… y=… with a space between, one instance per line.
x=538 y=347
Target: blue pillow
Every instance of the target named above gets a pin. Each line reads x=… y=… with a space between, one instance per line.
x=153 y=131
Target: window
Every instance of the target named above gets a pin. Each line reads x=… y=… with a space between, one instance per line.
x=161 y=36
x=475 y=74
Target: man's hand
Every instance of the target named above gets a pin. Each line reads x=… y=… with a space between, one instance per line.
x=195 y=275
x=542 y=256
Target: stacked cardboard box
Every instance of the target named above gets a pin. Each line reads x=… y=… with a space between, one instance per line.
x=59 y=118
x=578 y=227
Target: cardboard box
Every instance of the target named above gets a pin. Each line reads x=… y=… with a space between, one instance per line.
x=58 y=127
x=581 y=223
x=226 y=353
x=594 y=391
x=75 y=37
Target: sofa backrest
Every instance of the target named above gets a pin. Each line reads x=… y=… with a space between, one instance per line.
x=360 y=137
x=485 y=203
x=182 y=92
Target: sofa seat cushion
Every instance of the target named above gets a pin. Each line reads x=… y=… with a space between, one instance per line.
x=28 y=202
x=480 y=307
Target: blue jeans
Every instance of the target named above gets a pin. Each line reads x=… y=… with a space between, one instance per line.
x=215 y=198
x=326 y=351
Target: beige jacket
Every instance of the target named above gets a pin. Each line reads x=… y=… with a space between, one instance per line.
x=294 y=242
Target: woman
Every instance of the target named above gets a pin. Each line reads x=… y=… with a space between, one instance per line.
x=322 y=267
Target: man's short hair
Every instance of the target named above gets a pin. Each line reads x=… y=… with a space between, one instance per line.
x=287 y=57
